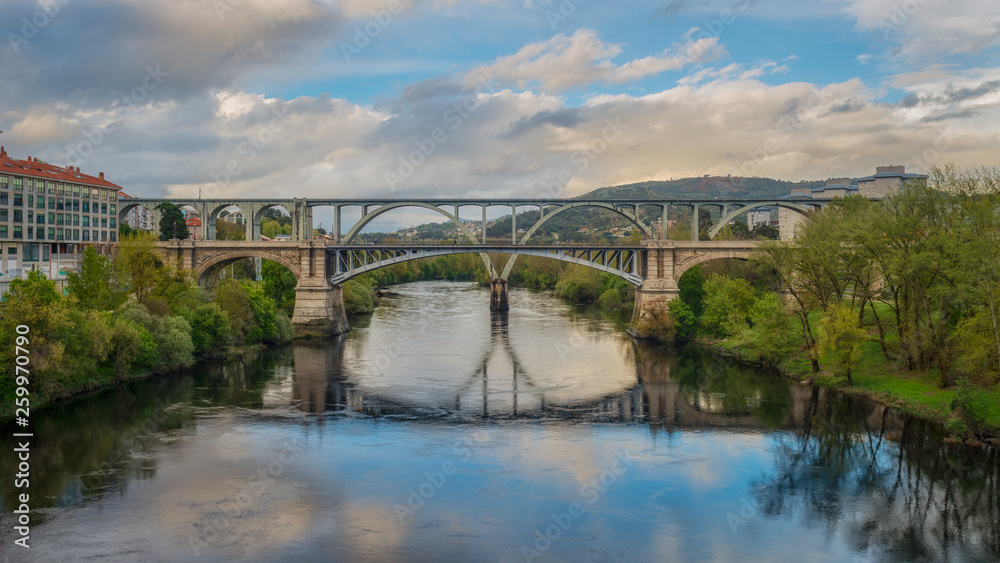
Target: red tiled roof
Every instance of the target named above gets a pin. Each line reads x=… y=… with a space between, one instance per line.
x=36 y=169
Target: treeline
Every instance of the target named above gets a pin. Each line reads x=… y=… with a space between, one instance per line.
x=911 y=281
x=131 y=315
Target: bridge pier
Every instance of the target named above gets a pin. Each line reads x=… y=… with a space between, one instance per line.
x=499 y=297
x=319 y=307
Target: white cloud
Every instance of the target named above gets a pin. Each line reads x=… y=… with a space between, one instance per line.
x=566 y=62
x=919 y=28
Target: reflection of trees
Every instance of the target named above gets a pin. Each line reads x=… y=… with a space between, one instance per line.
x=690 y=386
x=95 y=445
x=887 y=482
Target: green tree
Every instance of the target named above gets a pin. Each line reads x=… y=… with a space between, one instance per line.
x=209 y=328
x=684 y=320
x=172 y=225
x=727 y=305
x=227 y=230
x=765 y=231
x=279 y=284
x=96 y=285
x=692 y=289
x=842 y=337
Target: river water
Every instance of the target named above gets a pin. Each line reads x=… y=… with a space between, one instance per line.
x=437 y=431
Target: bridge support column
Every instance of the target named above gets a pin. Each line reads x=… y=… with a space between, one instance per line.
x=650 y=317
x=499 y=299
x=319 y=307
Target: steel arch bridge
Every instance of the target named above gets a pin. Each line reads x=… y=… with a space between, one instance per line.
x=347 y=262
x=301 y=211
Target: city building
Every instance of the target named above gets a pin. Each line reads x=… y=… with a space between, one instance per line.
x=139 y=217
x=887 y=180
x=47 y=212
x=761 y=216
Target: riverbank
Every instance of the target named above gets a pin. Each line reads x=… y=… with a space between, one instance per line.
x=44 y=401
x=890 y=384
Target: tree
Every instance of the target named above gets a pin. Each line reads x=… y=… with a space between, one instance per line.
x=227 y=230
x=138 y=264
x=279 y=284
x=727 y=305
x=172 y=225
x=96 y=285
x=841 y=335
x=124 y=230
x=765 y=231
x=692 y=289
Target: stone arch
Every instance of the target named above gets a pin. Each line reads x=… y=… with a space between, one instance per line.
x=527 y=235
x=368 y=218
x=213 y=217
x=802 y=209
x=225 y=258
x=258 y=216
x=682 y=267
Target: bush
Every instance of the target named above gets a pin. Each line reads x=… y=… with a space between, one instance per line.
x=209 y=328
x=358 y=297
x=840 y=334
x=973 y=401
x=684 y=319
x=768 y=338
x=580 y=290
x=727 y=305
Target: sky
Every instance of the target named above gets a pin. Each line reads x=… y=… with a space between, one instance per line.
x=493 y=98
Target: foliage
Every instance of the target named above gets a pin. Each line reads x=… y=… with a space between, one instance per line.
x=96 y=285
x=841 y=336
x=279 y=284
x=685 y=321
x=209 y=328
x=172 y=224
x=727 y=305
x=228 y=230
x=768 y=338
x=358 y=296
x=692 y=289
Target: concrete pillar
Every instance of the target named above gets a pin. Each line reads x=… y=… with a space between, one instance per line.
x=695 y=227
x=336 y=224
x=484 y=225
x=663 y=222
x=513 y=224
x=319 y=307
x=499 y=297
x=659 y=288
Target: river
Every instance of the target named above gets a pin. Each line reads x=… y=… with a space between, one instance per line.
x=437 y=431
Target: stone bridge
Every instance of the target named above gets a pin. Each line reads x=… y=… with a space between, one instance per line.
x=320 y=268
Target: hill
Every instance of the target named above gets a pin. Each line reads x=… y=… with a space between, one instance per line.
x=704 y=187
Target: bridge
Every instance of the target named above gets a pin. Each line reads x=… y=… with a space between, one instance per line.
x=321 y=268
x=301 y=212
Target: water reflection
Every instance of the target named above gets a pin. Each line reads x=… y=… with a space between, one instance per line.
x=730 y=462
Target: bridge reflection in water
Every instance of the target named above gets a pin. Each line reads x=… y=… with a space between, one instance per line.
x=669 y=389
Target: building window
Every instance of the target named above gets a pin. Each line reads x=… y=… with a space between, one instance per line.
x=76 y=191
x=86 y=207
x=59 y=204
x=29 y=252
x=111 y=223
x=104 y=235
x=3 y=181
x=3 y=215
x=104 y=222
x=76 y=234
x=76 y=206
x=18 y=183
x=52 y=233
x=113 y=209
x=17 y=232
x=104 y=209
x=40 y=218
x=51 y=186
x=93 y=193
x=31 y=233
x=40 y=201
x=113 y=236
x=86 y=235
x=52 y=203
x=86 y=220
x=18 y=200
x=59 y=218
x=29 y=184
x=59 y=233
x=76 y=220
x=3 y=198
x=31 y=200
x=3 y=231
x=18 y=216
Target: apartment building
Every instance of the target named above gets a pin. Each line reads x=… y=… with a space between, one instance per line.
x=47 y=212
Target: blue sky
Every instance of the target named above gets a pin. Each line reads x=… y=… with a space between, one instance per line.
x=257 y=98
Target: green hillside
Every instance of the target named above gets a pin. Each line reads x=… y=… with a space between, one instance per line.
x=705 y=187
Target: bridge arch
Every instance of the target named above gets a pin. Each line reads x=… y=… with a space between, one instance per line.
x=681 y=268
x=369 y=217
x=722 y=222
x=541 y=221
x=619 y=261
x=205 y=266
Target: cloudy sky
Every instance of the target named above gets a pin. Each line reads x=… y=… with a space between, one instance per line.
x=530 y=98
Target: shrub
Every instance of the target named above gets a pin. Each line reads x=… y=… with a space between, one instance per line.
x=727 y=305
